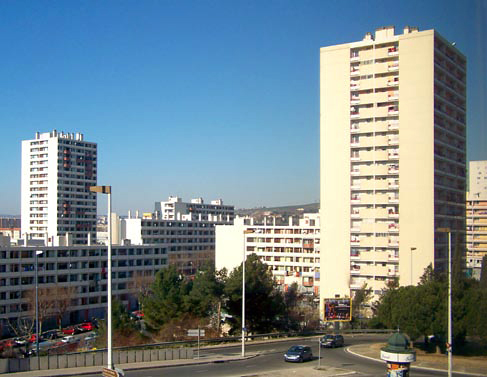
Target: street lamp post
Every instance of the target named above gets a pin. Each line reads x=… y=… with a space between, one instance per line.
x=247 y=231
x=412 y=249
x=38 y=252
x=108 y=190
x=243 y=299
x=449 y=347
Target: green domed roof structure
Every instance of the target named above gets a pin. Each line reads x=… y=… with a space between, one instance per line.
x=397 y=343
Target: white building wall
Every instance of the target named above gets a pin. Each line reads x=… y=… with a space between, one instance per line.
x=229 y=245
x=132 y=230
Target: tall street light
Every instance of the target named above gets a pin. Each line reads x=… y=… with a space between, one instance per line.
x=108 y=190
x=449 y=347
x=38 y=252
x=246 y=231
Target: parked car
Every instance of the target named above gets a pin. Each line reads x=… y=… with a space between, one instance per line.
x=20 y=342
x=86 y=326
x=298 y=354
x=7 y=343
x=137 y=315
x=71 y=330
x=33 y=337
x=332 y=341
x=69 y=339
x=51 y=335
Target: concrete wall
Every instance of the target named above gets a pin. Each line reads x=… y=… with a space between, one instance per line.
x=97 y=358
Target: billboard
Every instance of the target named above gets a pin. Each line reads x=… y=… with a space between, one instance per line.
x=338 y=309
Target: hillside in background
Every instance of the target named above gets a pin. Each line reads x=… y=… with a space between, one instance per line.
x=285 y=211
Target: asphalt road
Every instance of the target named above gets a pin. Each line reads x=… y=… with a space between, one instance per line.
x=270 y=358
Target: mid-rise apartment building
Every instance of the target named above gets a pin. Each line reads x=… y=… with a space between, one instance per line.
x=476 y=217
x=292 y=250
x=393 y=128
x=174 y=208
x=57 y=170
x=190 y=244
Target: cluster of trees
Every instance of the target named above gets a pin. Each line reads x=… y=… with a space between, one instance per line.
x=421 y=311
x=177 y=303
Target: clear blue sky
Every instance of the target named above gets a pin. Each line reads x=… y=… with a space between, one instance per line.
x=218 y=99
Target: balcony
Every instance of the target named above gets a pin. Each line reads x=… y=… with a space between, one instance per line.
x=355 y=172
x=392 y=214
x=393 y=171
x=393 y=199
x=393 y=96
x=393 y=228
x=354 y=71
x=392 y=51
x=392 y=273
x=393 y=67
x=393 y=110
x=355 y=214
x=393 y=125
x=393 y=242
x=393 y=82
x=355 y=99
x=354 y=85
x=354 y=57
x=355 y=199
x=393 y=155
x=393 y=141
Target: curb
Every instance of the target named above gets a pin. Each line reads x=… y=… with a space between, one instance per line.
x=413 y=366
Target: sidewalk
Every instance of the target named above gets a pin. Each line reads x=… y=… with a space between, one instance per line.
x=128 y=366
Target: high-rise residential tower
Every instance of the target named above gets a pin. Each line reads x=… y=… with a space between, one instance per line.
x=392 y=158
x=57 y=170
x=476 y=216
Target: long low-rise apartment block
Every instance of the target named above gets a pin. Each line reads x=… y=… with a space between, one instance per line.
x=79 y=270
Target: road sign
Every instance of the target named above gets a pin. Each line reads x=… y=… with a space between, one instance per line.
x=194 y=332
x=109 y=373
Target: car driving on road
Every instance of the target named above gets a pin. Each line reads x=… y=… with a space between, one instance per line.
x=332 y=341
x=298 y=354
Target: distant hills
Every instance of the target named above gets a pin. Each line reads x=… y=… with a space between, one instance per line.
x=285 y=211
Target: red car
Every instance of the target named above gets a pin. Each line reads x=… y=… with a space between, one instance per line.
x=87 y=326
x=33 y=337
x=71 y=330
x=138 y=314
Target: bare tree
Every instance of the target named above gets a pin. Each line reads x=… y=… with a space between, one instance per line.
x=45 y=303
x=140 y=286
x=63 y=297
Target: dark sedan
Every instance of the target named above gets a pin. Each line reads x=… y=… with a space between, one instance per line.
x=298 y=354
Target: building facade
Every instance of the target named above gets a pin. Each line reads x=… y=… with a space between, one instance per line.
x=174 y=208
x=57 y=170
x=393 y=162
x=476 y=217
x=79 y=269
x=292 y=251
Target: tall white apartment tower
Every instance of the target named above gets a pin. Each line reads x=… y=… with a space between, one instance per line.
x=57 y=170
x=476 y=216
x=392 y=158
